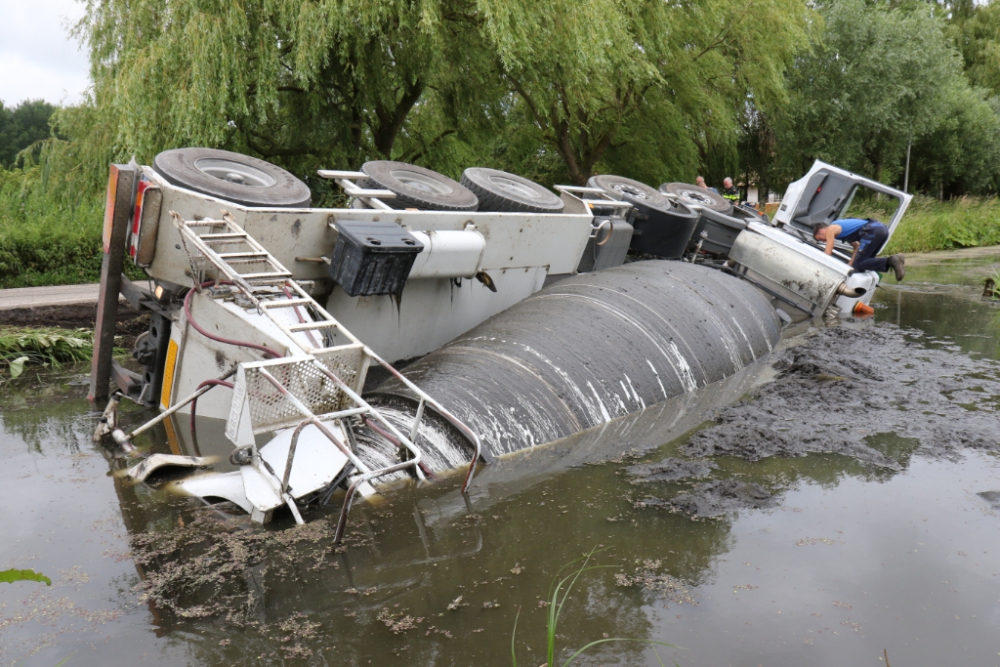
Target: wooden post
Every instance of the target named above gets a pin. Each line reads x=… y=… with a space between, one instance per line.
x=117 y=213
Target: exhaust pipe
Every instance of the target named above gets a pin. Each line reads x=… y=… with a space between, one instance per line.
x=851 y=292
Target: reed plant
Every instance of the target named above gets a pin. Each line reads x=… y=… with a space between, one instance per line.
x=559 y=592
x=46 y=346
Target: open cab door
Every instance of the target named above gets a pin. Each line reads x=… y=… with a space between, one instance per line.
x=787 y=263
x=825 y=194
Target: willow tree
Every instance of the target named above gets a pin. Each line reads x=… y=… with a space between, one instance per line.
x=298 y=81
x=621 y=79
x=646 y=85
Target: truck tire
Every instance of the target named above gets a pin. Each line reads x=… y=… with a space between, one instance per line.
x=503 y=192
x=692 y=195
x=662 y=226
x=416 y=187
x=238 y=178
x=629 y=190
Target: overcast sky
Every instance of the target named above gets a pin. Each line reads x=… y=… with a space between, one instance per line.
x=38 y=59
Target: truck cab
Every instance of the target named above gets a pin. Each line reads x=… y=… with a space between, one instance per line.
x=786 y=261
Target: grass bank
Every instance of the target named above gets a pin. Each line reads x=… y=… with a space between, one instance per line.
x=967 y=222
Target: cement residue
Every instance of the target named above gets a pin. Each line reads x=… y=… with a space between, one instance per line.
x=669 y=470
x=841 y=388
x=714 y=499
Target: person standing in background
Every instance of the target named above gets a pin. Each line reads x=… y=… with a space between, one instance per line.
x=700 y=182
x=730 y=192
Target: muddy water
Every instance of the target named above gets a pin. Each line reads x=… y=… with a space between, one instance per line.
x=849 y=503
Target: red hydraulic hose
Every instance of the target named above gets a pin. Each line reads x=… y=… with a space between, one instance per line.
x=228 y=341
x=194 y=403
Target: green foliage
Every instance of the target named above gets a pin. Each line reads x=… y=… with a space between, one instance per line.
x=21 y=127
x=45 y=346
x=960 y=153
x=975 y=31
x=306 y=83
x=879 y=75
x=10 y=576
x=558 y=594
x=50 y=234
x=928 y=225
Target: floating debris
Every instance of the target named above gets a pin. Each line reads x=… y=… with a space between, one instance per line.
x=399 y=622
x=670 y=470
x=714 y=499
x=991 y=497
x=812 y=541
x=674 y=589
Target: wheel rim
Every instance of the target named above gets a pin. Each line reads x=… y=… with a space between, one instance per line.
x=420 y=182
x=513 y=187
x=696 y=197
x=234 y=172
x=630 y=190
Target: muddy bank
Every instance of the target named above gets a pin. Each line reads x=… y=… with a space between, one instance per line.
x=67 y=316
x=878 y=395
x=841 y=388
x=77 y=316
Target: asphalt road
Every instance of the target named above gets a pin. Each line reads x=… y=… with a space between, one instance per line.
x=36 y=297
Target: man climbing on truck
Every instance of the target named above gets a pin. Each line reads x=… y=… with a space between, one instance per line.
x=867 y=237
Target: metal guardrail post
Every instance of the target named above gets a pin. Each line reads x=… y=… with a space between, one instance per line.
x=117 y=212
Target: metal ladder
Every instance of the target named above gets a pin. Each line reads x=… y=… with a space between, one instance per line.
x=200 y=239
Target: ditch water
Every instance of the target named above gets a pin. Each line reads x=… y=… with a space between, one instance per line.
x=839 y=503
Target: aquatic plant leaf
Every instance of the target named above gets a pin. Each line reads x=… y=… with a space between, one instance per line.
x=10 y=576
x=17 y=366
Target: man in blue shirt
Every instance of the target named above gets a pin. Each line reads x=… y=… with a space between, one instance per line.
x=867 y=237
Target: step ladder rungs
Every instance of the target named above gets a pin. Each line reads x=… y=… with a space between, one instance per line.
x=206 y=223
x=286 y=303
x=269 y=275
x=229 y=256
x=245 y=261
x=222 y=236
x=312 y=326
x=254 y=285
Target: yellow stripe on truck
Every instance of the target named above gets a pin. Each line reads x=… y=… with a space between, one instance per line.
x=168 y=374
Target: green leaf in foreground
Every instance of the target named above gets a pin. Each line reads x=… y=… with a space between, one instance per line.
x=17 y=366
x=10 y=576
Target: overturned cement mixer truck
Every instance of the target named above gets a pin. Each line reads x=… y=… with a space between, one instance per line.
x=520 y=316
